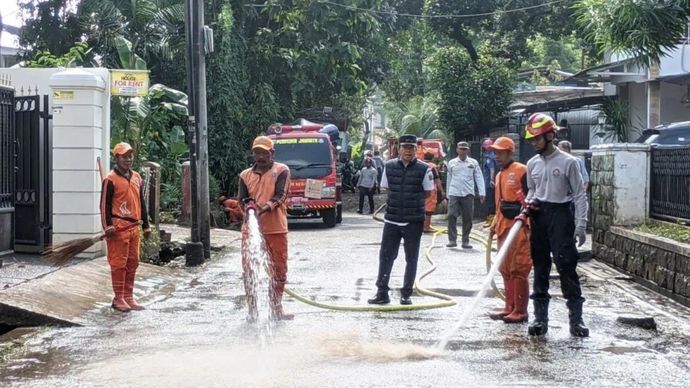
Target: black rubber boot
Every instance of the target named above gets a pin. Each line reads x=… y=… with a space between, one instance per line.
x=577 y=325
x=540 y=325
x=380 y=298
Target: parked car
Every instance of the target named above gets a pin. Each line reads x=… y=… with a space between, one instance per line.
x=667 y=134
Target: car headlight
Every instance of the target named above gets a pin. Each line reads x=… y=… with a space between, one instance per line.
x=328 y=192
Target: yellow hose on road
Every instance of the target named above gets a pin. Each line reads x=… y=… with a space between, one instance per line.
x=446 y=300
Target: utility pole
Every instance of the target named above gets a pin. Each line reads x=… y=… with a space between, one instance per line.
x=200 y=46
x=199 y=248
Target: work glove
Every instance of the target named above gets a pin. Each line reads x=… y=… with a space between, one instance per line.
x=581 y=234
x=110 y=231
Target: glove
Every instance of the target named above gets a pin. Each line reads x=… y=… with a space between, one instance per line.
x=110 y=231
x=581 y=234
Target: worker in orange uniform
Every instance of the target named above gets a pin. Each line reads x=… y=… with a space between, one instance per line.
x=266 y=183
x=511 y=187
x=232 y=208
x=122 y=203
x=432 y=200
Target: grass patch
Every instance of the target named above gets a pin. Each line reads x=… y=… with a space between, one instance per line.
x=675 y=232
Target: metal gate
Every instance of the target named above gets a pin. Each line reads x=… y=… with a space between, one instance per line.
x=7 y=151
x=32 y=194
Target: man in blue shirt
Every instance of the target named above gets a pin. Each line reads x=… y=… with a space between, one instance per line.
x=489 y=170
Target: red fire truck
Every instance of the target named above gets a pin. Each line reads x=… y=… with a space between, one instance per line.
x=310 y=150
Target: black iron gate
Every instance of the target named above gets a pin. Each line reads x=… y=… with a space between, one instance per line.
x=33 y=188
x=670 y=183
x=7 y=151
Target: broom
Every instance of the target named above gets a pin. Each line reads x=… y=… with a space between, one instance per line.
x=60 y=254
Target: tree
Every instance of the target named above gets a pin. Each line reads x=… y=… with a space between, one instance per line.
x=472 y=96
x=643 y=29
x=417 y=116
x=154 y=28
x=50 y=26
x=501 y=26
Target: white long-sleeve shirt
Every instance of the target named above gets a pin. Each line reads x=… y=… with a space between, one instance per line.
x=556 y=178
x=463 y=175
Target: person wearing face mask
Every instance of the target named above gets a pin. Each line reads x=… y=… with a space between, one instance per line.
x=122 y=203
x=554 y=181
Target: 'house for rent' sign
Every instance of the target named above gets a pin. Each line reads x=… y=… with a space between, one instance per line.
x=129 y=83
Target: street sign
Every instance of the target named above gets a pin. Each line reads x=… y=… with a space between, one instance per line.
x=129 y=83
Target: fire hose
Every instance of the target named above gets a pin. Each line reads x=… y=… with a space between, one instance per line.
x=445 y=300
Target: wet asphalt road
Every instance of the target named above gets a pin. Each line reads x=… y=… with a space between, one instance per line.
x=196 y=335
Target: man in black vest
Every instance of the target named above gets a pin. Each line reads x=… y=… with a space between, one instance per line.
x=409 y=182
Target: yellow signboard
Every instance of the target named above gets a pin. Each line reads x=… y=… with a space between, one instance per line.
x=129 y=83
x=63 y=95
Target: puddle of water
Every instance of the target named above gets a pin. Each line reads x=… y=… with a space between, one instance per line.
x=356 y=348
x=486 y=284
x=624 y=350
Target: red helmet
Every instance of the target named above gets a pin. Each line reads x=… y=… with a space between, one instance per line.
x=486 y=144
x=539 y=124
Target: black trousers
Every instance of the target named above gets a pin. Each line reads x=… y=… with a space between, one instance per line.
x=390 y=244
x=363 y=191
x=490 y=200
x=552 y=233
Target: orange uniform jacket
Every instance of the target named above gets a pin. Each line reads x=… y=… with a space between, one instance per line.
x=510 y=181
x=431 y=200
x=268 y=188
x=122 y=200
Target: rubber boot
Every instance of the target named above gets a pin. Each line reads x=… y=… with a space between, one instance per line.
x=129 y=292
x=427 y=224
x=521 y=297
x=275 y=294
x=577 y=325
x=118 y=278
x=509 y=301
x=540 y=325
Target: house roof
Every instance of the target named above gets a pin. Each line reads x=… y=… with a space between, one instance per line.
x=603 y=73
x=556 y=98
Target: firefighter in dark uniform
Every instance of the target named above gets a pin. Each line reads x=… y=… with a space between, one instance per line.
x=554 y=184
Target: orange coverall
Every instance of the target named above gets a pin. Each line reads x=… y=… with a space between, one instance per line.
x=268 y=188
x=122 y=202
x=517 y=264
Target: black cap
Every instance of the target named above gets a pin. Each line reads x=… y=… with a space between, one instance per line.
x=407 y=139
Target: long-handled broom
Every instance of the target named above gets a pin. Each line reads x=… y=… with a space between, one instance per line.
x=60 y=254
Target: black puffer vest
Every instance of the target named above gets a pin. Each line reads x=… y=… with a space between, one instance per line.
x=406 y=193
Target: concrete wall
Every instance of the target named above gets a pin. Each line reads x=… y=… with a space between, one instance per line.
x=81 y=133
x=672 y=109
x=637 y=102
x=620 y=195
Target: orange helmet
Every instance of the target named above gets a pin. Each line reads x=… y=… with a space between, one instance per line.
x=503 y=144
x=539 y=124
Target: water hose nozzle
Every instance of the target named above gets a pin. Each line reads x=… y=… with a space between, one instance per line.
x=249 y=206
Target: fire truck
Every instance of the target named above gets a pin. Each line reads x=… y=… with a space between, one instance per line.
x=434 y=146
x=310 y=150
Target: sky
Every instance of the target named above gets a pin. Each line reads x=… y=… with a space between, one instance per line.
x=11 y=17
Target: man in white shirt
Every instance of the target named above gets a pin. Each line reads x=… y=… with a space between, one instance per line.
x=464 y=177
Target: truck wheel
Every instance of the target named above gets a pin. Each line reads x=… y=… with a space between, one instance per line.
x=328 y=217
x=338 y=213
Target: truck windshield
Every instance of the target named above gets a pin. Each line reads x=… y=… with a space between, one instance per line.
x=307 y=157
